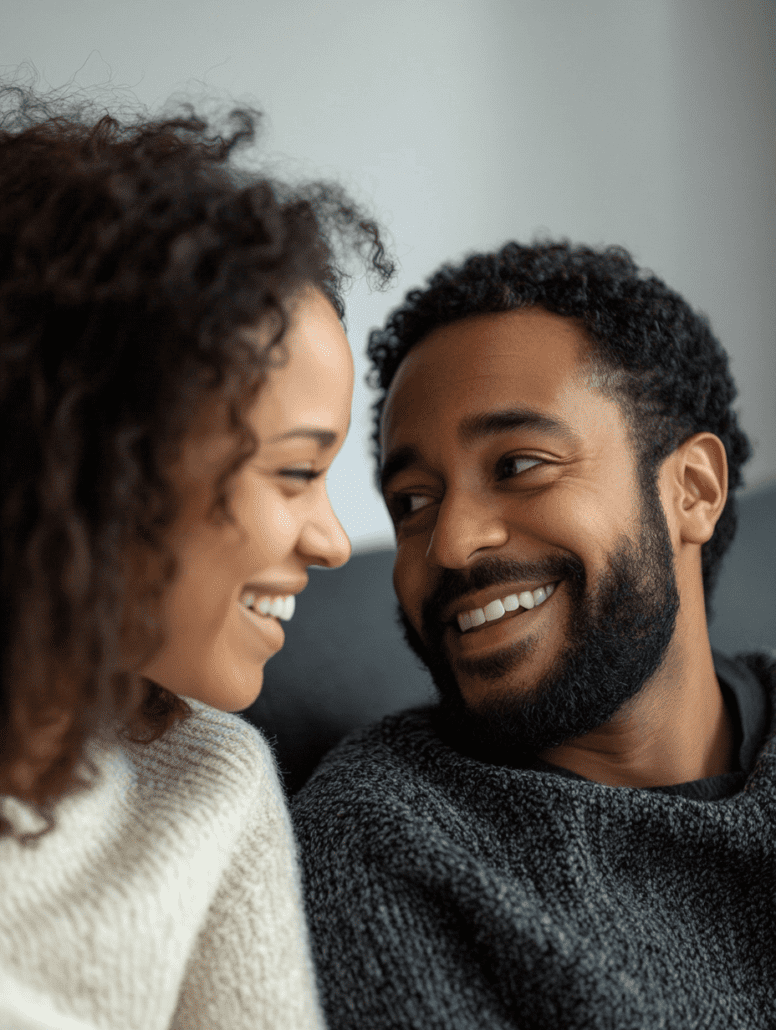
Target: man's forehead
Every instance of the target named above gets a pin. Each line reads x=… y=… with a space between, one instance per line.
x=522 y=358
x=517 y=324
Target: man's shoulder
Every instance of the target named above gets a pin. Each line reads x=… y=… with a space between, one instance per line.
x=407 y=765
x=408 y=772
x=393 y=747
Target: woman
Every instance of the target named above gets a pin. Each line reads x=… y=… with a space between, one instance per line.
x=174 y=384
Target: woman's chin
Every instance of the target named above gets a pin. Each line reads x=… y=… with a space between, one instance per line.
x=238 y=693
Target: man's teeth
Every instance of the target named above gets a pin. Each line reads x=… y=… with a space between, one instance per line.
x=280 y=607
x=511 y=603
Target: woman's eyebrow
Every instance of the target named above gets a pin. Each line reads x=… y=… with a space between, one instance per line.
x=324 y=437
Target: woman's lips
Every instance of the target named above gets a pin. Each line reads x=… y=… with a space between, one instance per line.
x=267 y=625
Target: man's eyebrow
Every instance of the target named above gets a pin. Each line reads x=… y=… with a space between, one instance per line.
x=480 y=426
x=395 y=463
x=491 y=423
x=324 y=437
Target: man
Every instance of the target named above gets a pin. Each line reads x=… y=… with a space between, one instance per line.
x=581 y=833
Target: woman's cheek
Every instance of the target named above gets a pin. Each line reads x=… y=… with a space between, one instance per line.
x=267 y=517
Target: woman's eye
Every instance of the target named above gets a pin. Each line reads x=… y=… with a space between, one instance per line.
x=300 y=475
x=514 y=465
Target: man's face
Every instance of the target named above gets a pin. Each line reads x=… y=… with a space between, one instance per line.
x=507 y=474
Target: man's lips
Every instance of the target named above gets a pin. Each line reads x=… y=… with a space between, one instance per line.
x=498 y=632
x=484 y=600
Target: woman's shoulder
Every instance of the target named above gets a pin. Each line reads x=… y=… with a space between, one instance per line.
x=208 y=733
x=179 y=843
x=212 y=757
x=211 y=765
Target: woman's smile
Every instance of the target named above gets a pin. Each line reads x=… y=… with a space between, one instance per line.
x=265 y=612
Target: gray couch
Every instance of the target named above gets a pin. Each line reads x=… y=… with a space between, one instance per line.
x=345 y=663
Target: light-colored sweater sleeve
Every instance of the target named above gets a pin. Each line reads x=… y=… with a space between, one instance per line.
x=166 y=897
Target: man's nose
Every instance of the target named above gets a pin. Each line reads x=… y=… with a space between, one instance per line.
x=467 y=524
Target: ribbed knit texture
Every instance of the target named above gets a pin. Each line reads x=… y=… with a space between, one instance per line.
x=446 y=892
x=167 y=895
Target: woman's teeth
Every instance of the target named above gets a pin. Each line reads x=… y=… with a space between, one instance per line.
x=496 y=609
x=280 y=607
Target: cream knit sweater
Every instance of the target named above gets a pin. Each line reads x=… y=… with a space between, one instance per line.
x=167 y=896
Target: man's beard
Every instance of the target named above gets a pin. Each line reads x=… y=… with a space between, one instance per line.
x=618 y=635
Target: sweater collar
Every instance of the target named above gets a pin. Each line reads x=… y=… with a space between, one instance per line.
x=749 y=704
x=751 y=708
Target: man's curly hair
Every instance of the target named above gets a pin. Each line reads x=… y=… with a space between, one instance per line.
x=653 y=353
x=132 y=255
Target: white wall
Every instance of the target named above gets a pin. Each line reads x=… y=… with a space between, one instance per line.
x=463 y=123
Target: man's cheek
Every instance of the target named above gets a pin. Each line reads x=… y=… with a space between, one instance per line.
x=411 y=603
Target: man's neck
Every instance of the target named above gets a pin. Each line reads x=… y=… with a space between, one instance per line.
x=677 y=729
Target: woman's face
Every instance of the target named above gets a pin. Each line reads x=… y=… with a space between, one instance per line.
x=217 y=639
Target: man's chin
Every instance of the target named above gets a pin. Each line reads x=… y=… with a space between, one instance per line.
x=511 y=718
x=502 y=697
x=507 y=709
x=493 y=703
x=509 y=722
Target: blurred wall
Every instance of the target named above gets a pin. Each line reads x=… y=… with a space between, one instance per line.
x=463 y=123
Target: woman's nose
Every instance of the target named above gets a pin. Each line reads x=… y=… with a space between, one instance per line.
x=324 y=541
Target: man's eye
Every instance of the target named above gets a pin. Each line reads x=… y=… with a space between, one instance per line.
x=402 y=505
x=514 y=464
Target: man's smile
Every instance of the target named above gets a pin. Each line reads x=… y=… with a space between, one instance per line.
x=503 y=606
x=484 y=633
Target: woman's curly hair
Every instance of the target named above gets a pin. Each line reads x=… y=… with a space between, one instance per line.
x=132 y=254
x=654 y=354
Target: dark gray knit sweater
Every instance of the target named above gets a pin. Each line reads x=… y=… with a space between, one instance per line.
x=446 y=892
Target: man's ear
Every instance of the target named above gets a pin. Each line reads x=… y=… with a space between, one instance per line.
x=696 y=481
